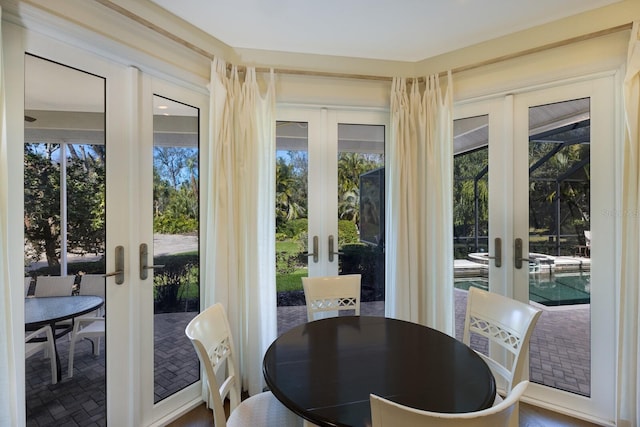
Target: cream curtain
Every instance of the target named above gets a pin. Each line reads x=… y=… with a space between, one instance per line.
x=8 y=379
x=419 y=206
x=629 y=324
x=240 y=219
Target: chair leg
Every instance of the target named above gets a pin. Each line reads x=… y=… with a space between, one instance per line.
x=72 y=348
x=95 y=343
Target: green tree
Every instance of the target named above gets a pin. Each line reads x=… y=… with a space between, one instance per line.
x=289 y=202
x=350 y=167
x=85 y=198
x=470 y=181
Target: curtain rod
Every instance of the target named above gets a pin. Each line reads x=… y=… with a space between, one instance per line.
x=109 y=4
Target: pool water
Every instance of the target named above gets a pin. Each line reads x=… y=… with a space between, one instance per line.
x=549 y=290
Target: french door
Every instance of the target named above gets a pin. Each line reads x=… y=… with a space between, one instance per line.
x=538 y=168
x=330 y=179
x=140 y=139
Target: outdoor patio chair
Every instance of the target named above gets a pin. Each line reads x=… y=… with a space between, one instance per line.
x=328 y=295
x=385 y=413
x=27 y=285
x=92 y=325
x=506 y=323
x=93 y=284
x=32 y=347
x=54 y=286
x=210 y=335
x=587 y=241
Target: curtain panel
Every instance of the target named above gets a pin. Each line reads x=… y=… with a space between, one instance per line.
x=9 y=399
x=420 y=204
x=240 y=215
x=629 y=298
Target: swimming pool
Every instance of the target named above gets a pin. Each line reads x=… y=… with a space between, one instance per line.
x=546 y=289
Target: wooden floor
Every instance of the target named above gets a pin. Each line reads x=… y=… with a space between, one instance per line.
x=530 y=416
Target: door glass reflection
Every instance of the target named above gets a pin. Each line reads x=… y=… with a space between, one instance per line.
x=176 y=285
x=292 y=169
x=361 y=210
x=560 y=244
x=64 y=228
x=470 y=215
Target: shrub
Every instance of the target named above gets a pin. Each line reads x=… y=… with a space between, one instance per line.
x=348 y=232
x=292 y=229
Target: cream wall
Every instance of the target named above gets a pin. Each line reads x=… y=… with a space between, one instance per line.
x=125 y=35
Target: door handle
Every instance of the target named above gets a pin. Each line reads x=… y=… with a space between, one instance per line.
x=119 y=273
x=314 y=254
x=144 y=263
x=497 y=248
x=331 y=252
x=518 y=254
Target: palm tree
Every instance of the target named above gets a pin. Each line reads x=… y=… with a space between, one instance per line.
x=288 y=205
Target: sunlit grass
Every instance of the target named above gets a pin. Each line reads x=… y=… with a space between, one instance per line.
x=290 y=282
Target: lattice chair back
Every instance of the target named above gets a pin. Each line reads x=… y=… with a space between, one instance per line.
x=385 y=413
x=210 y=335
x=505 y=322
x=331 y=294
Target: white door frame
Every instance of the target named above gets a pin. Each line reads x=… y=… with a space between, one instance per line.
x=167 y=409
x=127 y=355
x=509 y=218
x=323 y=169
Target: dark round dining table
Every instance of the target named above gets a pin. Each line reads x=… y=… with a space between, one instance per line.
x=41 y=311
x=325 y=370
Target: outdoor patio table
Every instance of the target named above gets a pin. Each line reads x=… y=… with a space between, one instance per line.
x=325 y=370
x=40 y=311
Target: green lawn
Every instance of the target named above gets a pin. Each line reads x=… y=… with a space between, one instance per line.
x=290 y=282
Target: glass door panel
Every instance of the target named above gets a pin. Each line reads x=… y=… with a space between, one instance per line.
x=324 y=158
x=64 y=211
x=292 y=240
x=559 y=273
x=176 y=279
x=549 y=158
x=470 y=214
x=361 y=209
x=564 y=166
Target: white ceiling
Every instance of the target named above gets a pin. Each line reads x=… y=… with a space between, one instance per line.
x=401 y=30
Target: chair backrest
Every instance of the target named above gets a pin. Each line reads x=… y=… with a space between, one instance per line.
x=385 y=413
x=210 y=335
x=587 y=238
x=331 y=294
x=54 y=286
x=505 y=322
x=27 y=285
x=92 y=284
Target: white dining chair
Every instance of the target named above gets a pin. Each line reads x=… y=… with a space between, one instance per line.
x=210 y=335
x=505 y=322
x=45 y=344
x=385 y=413
x=89 y=326
x=328 y=295
x=54 y=286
